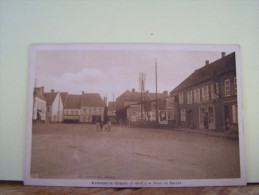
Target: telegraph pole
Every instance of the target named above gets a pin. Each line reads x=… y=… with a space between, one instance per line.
x=142 y=79
x=156 y=92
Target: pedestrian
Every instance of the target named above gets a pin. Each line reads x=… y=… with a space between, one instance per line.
x=109 y=125
x=101 y=125
x=97 y=126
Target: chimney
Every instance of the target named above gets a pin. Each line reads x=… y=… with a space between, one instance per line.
x=52 y=90
x=147 y=92
x=83 y=92
x=223 y=54
x=133 y=90
x=207 y=62
x=165 y=93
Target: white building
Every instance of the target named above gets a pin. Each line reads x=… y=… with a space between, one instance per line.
x=39 y=105
x=55 y=105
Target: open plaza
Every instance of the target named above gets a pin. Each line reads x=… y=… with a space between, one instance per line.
x=79 y=151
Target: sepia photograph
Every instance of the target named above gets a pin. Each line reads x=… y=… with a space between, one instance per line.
x=134 y=115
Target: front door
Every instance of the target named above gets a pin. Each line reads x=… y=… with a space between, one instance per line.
x=211 y=117
x=190 y=119
x=201 y=118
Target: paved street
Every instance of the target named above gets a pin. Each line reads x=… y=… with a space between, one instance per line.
x=78 y=151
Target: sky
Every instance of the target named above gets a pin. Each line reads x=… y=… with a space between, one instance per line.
x=111 y=72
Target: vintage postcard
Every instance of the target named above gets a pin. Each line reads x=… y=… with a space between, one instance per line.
x=135 y=115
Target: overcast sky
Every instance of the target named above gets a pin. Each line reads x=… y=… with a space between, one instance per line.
x=111 y=72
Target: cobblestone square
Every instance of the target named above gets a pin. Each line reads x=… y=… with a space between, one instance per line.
x=79 y=151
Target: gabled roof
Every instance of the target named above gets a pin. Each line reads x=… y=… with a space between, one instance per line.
x=63 y=96
x=73 y=102
x=207 y=72
x=92 y=100
x=50 y=97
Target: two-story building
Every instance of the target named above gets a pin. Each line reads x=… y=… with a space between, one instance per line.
x=207 y=99
x=72 y=108
x=92 y=108
x=133 y=106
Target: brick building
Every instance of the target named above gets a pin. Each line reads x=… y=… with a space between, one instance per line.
x=207 y=99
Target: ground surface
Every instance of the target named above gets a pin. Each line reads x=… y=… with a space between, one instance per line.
x=79 y=151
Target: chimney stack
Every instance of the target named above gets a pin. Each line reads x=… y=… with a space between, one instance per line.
x=207 y=62
x=83 y=92
x=165 y=93
x=133 y=90
x=223 y=54
x=52 y=90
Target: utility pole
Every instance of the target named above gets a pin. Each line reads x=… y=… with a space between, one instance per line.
x=156 y=92
x=142 y=79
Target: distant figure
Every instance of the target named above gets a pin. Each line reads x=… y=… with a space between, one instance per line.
x=105 y=127
x=109 y=125
x=101 y=125
x=206 y=121
x=227 y=123
x=97 y=126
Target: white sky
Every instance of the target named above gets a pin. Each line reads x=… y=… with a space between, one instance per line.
x=111 y=72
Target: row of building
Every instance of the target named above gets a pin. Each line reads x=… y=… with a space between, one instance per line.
x=206 y=99
x=64 y=107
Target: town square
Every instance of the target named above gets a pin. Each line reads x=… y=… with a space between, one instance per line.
x=79 y=151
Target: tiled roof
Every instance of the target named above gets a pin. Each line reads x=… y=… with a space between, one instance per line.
x=63 y=97
x=207 y=72
x=73 y=102
x=128 y=96
x=112 y=106
x=50 y=97
x=92 y=100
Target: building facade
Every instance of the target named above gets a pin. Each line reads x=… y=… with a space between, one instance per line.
x=72 y=109
x=133 y=106
x=92 y=108
x=207 y=99
x=111 y=112
x=55 y=106
x=39 y=105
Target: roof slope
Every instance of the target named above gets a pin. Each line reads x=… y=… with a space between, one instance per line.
x=63 y=97
x=50 y=97
x=207 y=72
x=73 y=102
x=92 y=100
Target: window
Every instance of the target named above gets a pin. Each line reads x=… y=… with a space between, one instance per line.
x=234 y=114
x=235 y=85
x=205 y=93
x=189 y=97
x=214 y=90
x=196 y=94
x=180 y=98
x=227 y=87
x=183 y=115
